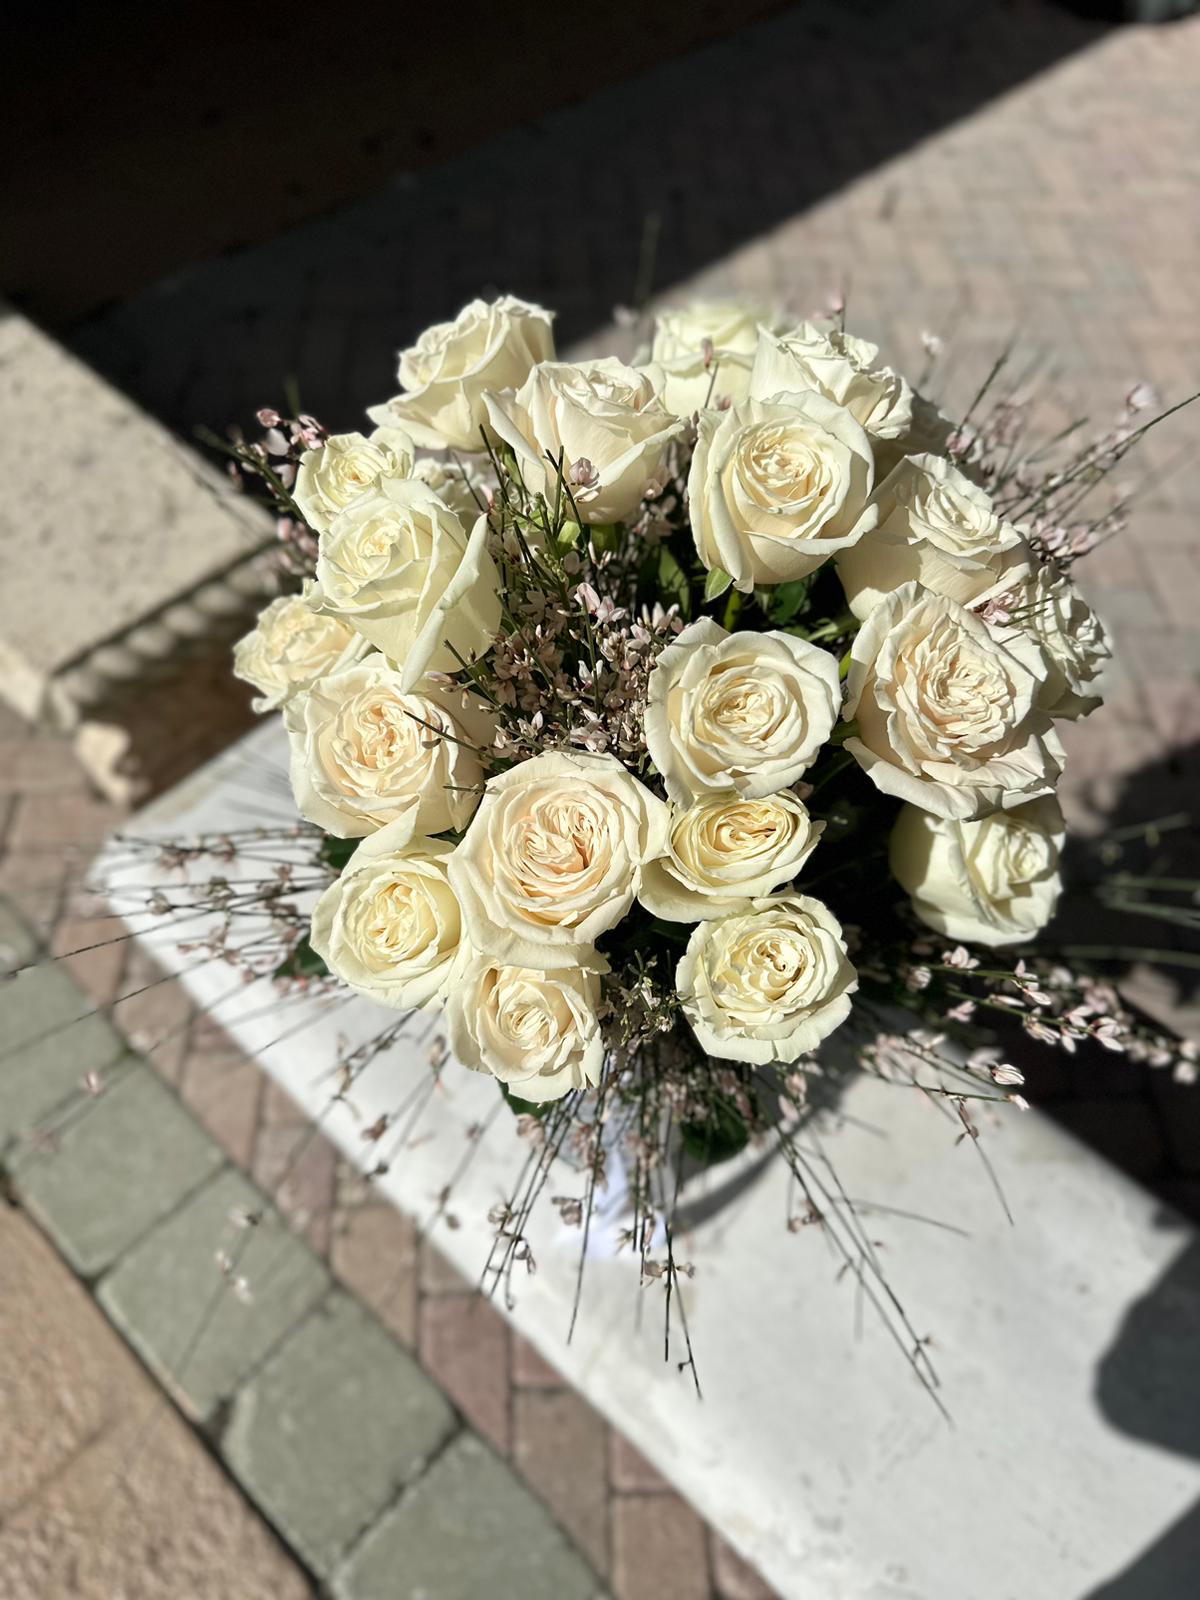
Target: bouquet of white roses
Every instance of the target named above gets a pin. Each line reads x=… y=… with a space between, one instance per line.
x=675 y=715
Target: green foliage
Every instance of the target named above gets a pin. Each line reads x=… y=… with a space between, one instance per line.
x=304 y=962
x=673 y=583
x=716 y=584
x=721 y=1135
x=524 y=1108
x=336 y=852
x=787 y=601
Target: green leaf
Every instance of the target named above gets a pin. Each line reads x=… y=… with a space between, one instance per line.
x=336 y=852
x=673 y=583
x=304 y=962
x=605 y=536
x=715 y=584
x=786 y=601
x=721 y=1135
x=568 y=536
x=524 y=1108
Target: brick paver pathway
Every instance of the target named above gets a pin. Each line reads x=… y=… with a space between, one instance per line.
x=1065 y=209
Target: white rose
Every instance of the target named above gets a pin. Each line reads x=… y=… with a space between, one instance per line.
x=398 y=566
x=554 y=857
x=537 y=1032
x=993 y=882
x=776 y=488
x=768 y=983
x=839 y=366
x=604 y=418
x=390 y=927
x=929 y=433
x=332 y=476
x=365 y=752
x=741 y=711
x=446 y=372
x=1049 y=607
x=724 y=851
x=947 y=715
x=290 y=647
x=936 y=528
x=698 y=374
x=459 y=485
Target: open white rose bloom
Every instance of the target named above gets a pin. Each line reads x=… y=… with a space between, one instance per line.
x=662 y=730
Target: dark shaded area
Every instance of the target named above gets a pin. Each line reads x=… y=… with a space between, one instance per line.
x=1133 y=1114
x=642 y=184
x=1148 y=1386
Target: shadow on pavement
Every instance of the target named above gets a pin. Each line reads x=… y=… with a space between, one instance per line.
x=1148 y=1386
x=683 y=165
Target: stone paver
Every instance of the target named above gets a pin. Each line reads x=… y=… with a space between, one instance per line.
x=466 y=1531
x=560 y=1447
x=188 y=1322
x=332 y=1427
x=659 y=1549
x=105 y=1493
x=118 y=1166
x=47 y=1044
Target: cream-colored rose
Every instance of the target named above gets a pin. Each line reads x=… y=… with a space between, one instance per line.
x=365 y=752
x=839 y=366
x=290 y=647
x=947 y=715
x=460 y=485
x=537 y=1032
x=776 y=488
x=445 y=374
x=928 y=434
x=399 y=568
x=937 y=528
x=768 y=983
x=605 y=419
x=554 y=857
x=740 y=711
x=705 y=352
x=1049 y=607
x=724 y=851
x=332 y=477
x=390 y=927
x=993 y=882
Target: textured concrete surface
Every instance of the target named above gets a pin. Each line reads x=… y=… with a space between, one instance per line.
x=105 y=1493
x=332 y=1428
x=157 y=521
x=467 y=1531
x=186 y=1319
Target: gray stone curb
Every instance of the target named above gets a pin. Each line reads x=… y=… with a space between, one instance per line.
x=333 y=1431
x=334 y=1424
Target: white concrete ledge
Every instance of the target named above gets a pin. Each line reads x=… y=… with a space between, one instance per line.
x=1066 y=1344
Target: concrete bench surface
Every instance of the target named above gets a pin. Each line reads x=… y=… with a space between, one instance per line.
x=1066 y=1342
x=105 y=520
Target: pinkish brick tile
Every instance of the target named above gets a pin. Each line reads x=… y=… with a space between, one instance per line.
x=558 y=1446
x=629 y=1470
x=464 y=1348
x=223 y=1091
x=92 y=951
x=733 y=1577
x=660 y=1549
x=374 y=1253
x=297 y=1167
x=438 y=1275
x=153 y=1013
x=530 y=1370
